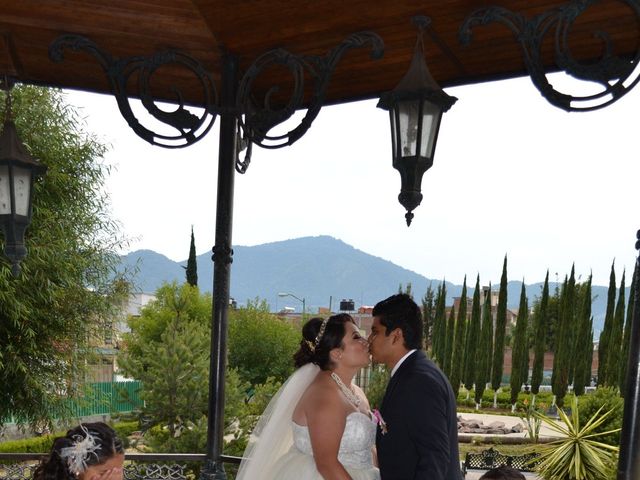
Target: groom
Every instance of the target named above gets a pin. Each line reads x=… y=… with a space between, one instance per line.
x=419 y=439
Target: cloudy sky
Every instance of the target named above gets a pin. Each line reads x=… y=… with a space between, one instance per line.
x=512 y=175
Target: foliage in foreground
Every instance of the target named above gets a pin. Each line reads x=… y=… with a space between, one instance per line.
x=168 y=351
x=67 y=294
x=578 y=455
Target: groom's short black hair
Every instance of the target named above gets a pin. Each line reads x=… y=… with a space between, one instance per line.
x=400 y=311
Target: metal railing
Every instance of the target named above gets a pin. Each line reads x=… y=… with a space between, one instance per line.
x=138 y=466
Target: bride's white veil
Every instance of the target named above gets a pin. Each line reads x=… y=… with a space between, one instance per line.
x=273 y=435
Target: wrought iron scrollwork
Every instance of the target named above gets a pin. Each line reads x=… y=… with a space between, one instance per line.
x=616 y=75
x=191 y=127
x=254 y=123
x=257 y=122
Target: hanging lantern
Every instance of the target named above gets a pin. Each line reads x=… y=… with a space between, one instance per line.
x=415 y=108
x=18 y=170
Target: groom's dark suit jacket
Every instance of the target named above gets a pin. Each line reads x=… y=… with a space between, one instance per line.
x=419 y=409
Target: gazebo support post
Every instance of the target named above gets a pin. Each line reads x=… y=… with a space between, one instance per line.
x=222 y=258
x=629 y=460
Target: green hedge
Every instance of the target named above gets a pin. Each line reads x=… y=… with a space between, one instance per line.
x=504 y=399
x=43 y=444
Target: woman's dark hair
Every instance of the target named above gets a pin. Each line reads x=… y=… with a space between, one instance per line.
x=400 y=311
x=54 y=467
x=503 y=473
x=332 y=337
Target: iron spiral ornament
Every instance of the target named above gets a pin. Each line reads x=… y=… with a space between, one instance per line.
x=615 y=76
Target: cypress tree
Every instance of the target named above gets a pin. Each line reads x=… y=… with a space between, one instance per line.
x=627 y=331
x=501 y=325
x=472 y=341
x=614 y=353
x=584 y=336
x=192 y=267
x=448 y=344
x=520 y=354
x=539 y=338
x=603 y=343
x=485 y=350
x=458 y=354
x=440 y=325
x=572 y=326
x=560 y=376
x=428 y=311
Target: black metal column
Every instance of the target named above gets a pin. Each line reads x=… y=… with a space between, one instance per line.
x=222 y=258
x=629 y=461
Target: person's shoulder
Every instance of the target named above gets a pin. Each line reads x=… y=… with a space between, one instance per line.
x=426 y=372
x=321 y=395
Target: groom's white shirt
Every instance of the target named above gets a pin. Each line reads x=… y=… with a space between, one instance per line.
x=397 y=365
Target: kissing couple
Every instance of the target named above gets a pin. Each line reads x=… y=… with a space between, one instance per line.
x=319 y=426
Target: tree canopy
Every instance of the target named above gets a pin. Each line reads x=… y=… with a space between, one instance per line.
x=65 y=298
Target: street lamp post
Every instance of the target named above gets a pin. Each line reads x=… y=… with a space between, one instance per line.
x=285 y=294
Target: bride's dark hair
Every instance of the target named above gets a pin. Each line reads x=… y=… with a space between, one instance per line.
x=54 y=467
x=332 y=337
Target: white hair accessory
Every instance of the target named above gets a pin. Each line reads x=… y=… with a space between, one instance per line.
x=77 y=455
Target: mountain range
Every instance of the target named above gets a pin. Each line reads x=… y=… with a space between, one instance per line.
x=321 y=270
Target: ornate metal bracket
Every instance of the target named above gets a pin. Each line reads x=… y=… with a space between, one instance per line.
x=616 y=76
x=190 y=127
x=254 y=122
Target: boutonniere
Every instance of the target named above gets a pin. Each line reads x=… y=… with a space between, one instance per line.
x=380 y=421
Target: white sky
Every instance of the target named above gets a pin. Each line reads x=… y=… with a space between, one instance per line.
x=512 y=174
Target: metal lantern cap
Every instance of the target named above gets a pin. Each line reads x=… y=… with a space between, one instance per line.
x=417 y=83
x=12 y=151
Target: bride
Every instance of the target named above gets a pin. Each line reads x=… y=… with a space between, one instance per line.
x=318 y=426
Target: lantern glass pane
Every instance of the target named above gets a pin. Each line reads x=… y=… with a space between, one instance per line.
x=430 y=120
x=408 y=115
x=21 y=188
x=392 y=116
x=5 y=191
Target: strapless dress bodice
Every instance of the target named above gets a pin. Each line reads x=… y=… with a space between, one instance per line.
x=357 y=440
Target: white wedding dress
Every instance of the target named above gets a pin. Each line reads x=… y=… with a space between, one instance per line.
x=355 y=452
x=280 y=449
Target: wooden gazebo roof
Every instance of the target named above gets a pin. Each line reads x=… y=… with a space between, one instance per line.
x=248 y=28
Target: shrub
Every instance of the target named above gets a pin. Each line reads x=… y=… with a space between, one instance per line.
x=577 y=455
x=610 y=400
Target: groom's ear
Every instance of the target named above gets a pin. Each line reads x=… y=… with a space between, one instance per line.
x=397 y=336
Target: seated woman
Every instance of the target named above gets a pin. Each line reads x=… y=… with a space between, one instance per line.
x=90 y=451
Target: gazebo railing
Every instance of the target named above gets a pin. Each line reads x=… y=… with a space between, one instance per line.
x=138 y=466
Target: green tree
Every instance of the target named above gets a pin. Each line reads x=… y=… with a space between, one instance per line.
x=192 y=266
x=520 y=357
x=485 y=350
x=406 y=289
x=440 y=325
x=472 y=340
x=458 y=354
x=627 y=331
x=605 y=335
x=584 y=342
x=614 y=354
x=501 y=326
x=540 y=319
x=448 y=347
x=69 y=292
x=174 y=374
x=261 y=345
x=428 y=316
x=562 y=354
x=172 y=301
